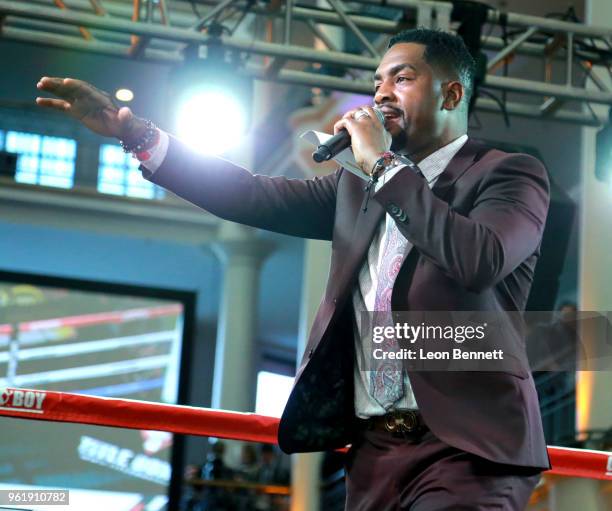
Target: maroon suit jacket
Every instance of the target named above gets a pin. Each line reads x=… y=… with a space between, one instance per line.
x=476 y=238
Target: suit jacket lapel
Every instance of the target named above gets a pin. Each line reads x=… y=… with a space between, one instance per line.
x=464 y=158
x=364 y=229
x=367 y=223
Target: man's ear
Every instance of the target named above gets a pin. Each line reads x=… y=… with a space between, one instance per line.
x=452 y=95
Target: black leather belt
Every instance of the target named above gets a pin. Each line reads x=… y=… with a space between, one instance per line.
x=398 y=423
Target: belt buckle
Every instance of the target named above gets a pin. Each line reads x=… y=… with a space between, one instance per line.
x=401 y=422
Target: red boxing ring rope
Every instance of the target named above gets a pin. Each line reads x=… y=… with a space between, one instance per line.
x=127 y=413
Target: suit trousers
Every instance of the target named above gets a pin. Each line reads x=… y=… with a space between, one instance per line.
x=389 y=473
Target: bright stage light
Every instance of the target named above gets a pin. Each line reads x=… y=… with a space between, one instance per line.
x=210 y=97
x=211 y=121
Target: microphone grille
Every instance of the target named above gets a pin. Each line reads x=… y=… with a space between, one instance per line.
x=379 y=114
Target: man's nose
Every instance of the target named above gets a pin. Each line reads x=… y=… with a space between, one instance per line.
x=384 y=93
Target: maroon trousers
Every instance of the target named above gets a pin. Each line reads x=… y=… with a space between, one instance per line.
x=387 y=473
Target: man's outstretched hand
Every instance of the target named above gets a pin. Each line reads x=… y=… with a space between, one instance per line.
x=93 y=107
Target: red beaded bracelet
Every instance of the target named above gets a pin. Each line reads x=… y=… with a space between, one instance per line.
x=383 y=161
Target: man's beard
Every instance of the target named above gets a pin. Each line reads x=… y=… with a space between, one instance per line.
x=398 y=142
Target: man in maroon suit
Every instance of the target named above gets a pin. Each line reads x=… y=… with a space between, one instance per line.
x=458 y=231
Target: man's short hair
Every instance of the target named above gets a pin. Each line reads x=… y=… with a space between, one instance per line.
x=445 y=51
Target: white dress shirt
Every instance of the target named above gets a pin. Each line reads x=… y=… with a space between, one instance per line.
x=364 y=294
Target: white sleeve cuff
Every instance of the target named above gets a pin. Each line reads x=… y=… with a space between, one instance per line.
x=387 y=176
x=155 y=156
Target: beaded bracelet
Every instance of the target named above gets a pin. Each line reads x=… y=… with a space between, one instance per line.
x=385 y=160
x=143 y=142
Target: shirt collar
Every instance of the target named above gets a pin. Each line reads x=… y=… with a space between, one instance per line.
x=434 y=164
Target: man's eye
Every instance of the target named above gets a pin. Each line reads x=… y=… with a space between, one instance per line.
x=403 y=78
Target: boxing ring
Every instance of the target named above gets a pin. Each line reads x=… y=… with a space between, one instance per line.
x=99 y=405
x=124 y=413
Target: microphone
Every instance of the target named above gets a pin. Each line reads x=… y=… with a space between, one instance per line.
x=327 y=150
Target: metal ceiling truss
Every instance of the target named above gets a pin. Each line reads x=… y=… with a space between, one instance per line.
x=159 y=30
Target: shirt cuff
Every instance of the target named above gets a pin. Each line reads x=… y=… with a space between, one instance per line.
x=386 y=177
x=154 y=157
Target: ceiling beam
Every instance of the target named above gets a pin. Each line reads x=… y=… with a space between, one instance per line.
x=306 y=55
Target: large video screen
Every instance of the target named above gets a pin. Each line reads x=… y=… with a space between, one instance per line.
x=98 y=340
